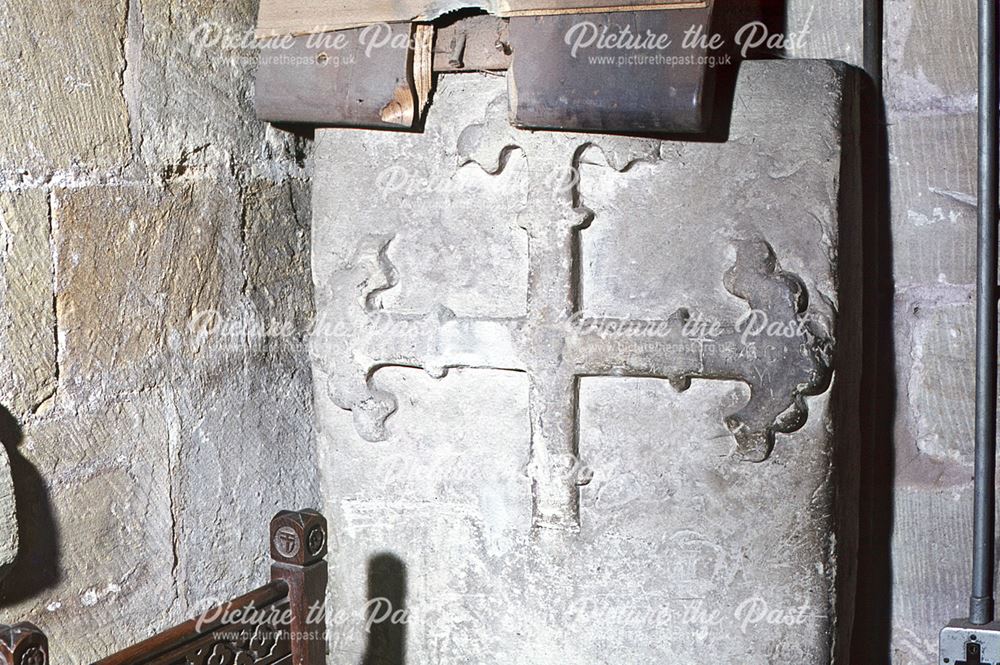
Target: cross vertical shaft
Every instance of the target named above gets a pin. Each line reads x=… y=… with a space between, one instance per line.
x=551 y=301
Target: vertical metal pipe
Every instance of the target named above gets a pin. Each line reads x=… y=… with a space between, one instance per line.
x=981 y=603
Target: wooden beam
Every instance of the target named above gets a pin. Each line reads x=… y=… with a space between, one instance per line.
x=23 y=644
x=304 y=17
x=474 y=44
x=562 y=86
x=333 y=79
x=554 y=84
x=338 y=79
x=299 y=543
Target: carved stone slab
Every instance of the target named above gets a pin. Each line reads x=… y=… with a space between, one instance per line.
x=593 y=391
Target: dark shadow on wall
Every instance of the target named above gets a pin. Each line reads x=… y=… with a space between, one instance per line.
x=730 y=20
x=37 y=565
x=386 y=643
x=873 y=614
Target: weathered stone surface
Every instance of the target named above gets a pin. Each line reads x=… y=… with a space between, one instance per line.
x=930 y=57
x=817 y=29
x=9 y=537
x=27 y=319
x=96 y=569
x=456 y=511
x=246 y=447
x=180 y=404
x=192 y=87
x=934 y=199
x=134 y=265
x=930 y=95
x=276 y=230
x=942 y=382
x=27 y=335
x=931 y=568
x=152 y=344
x=244 y=450
x=61 y=85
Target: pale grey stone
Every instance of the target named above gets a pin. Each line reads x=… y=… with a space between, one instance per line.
x=191 y=88
x=932 y=172
x=931 y=568
x=244 y=450
x=817 y=29
x=930 y=57
x=942 y=380
x=449 y=468
x=930 y=97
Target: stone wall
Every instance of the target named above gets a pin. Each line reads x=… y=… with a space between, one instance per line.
x=150 y=231
x=136 y=188
x=920 y=465
x=930 y=99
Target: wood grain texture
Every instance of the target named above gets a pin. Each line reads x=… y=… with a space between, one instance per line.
x=301 y=17
x=609 y=90
x=341 y=79
x=475 y=43
x=202 y=642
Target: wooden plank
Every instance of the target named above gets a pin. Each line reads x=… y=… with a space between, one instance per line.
x=473 y=44
x=563 y=86
x=303 y=17
x=299 y=543
x=336 y=80
x=328 y=80
x=201 y=635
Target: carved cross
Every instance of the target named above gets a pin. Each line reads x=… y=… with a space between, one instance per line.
x=556 y=347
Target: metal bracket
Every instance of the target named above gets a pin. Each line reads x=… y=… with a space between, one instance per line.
x=963 y=643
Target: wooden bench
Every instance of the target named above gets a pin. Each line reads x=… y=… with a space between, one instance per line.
x=281 y=623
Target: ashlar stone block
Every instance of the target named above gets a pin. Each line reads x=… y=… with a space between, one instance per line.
x=930 y=53
x=135 y=265
x=582 y=395
x=27 y=338
x=934 y=200
x=27 y=314
x=61 y=69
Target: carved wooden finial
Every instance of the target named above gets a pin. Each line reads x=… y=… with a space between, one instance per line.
x=298 y=537
x=299 y=541
x=23 y=644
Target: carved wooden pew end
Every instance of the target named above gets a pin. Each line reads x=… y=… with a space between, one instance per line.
x=23 y=644
x=281 y=623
